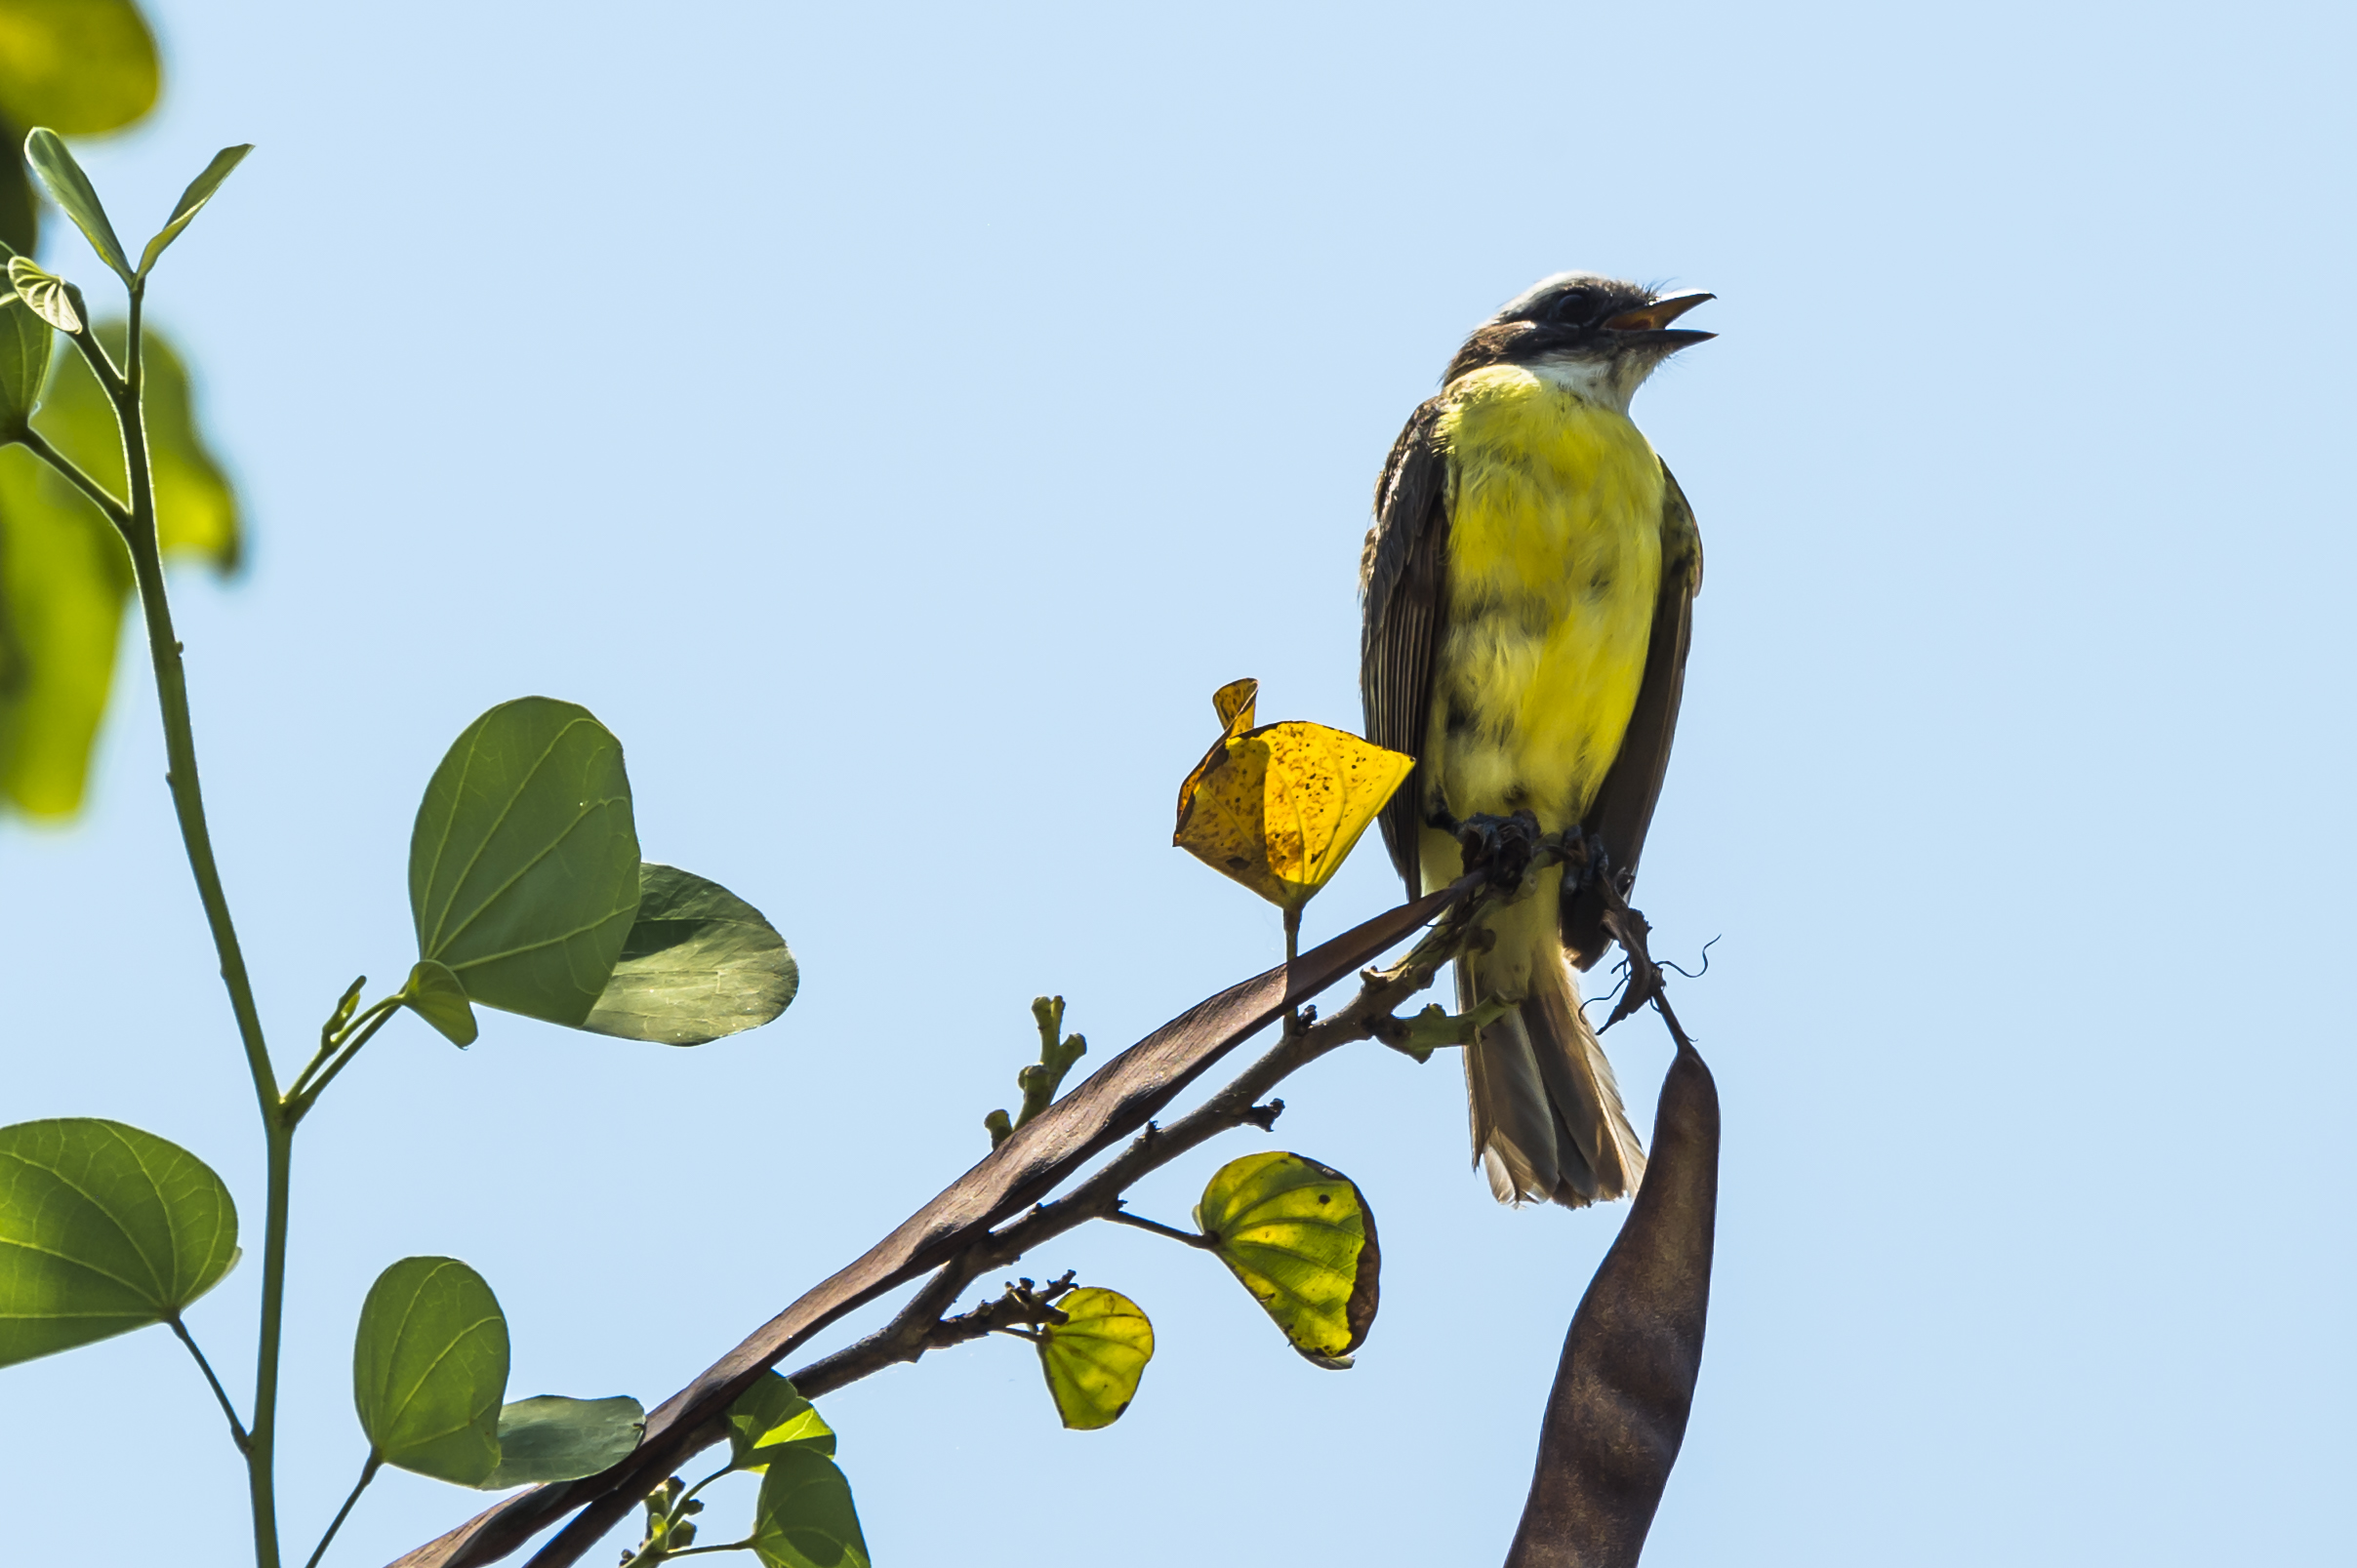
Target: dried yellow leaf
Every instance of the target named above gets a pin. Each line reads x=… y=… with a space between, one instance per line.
x=1279 y=807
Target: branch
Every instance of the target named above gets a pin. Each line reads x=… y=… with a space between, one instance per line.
x=959 y=1227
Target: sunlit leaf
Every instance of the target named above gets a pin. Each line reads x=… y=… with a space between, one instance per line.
x=70 y=188
x=698 y=963
x=192 y=201
x=65 y=575
x=804 y=1518
x=1302 y=1240
x=435 y=995
x=429 y=1368
x=79 y=65
x=553 y=1438
x=1279 y=807
x=44 y=294
x=770 y=1416
x=1094 y=1358
x=523 y=866
x=104 y=1229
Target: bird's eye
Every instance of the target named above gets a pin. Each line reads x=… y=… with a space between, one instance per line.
x=1573 y=306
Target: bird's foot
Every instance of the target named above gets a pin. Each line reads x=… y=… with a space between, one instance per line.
x=1500 y=847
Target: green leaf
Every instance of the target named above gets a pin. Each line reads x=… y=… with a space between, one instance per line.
x=698 y=963
x=1094 y=1358
x=523 y=866
x=104 y=1229
x=45 y=294
x=770 y=1416
x=72 y=190
x=429 y=1368
x=26 y=340
x=1302 y=1240
x=553 y=1438
x=193 y=200
x=804 y=1518
x=435 y=995
x=81 y=66
x=65 y=575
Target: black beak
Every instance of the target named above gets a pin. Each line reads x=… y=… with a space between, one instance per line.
x=1649 y=325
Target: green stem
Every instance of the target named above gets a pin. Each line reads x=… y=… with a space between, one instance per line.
x=368 y=1473
x=1293 y=1025
x=188 y=805
x=745 y=1544
x=1141 y=1222
x=306 y=1089
x=237 y=1428
x=71 y=472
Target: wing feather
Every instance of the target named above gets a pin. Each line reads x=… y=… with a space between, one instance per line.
x=1400 y=590
x=1623 y=808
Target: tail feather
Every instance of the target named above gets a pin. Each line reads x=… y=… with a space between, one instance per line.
x=1547 y=1119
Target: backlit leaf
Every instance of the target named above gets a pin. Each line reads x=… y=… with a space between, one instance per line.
x=192 y=201
x=1094 y=1359
x=429 y=1368
x=70 y=188
x=79 y=65
x=1279 y=807
x=44 y=294
x=435 y=995
x=770 y=1416
x=523 y=866
x=553 y=1438
x=1302 y=1240
x=698 y=963
x=804 y=1518
x=104 y=1229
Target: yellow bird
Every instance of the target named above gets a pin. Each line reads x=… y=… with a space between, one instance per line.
x=1529 y=589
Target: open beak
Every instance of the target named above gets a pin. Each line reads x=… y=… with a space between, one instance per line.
x=1651 y=323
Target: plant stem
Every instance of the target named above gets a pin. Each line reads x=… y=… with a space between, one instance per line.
x=71 y=472
x=139 y=528
x=1292 y=952
x=1140 y=1222
x=306 y=1089
x=237 y=1428
x=368 y=1473
x=745 y=1544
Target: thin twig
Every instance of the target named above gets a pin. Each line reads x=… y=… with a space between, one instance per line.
x=237 y=1428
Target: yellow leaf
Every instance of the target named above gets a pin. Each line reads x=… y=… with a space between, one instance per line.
x=1301 y=1239
x=1094 y=1358
x=1279 y=807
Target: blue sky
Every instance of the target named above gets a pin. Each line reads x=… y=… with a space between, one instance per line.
x=895 y=422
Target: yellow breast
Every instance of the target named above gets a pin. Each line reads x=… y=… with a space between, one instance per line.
x=1554 y=566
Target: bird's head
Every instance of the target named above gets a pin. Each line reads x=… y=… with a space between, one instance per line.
x=1598 y=335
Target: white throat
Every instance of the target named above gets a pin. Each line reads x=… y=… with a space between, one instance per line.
x=1606 y=383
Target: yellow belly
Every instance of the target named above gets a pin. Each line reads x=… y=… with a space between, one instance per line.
x=1554 y=567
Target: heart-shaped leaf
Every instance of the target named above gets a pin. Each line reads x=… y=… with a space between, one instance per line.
x=192 y=201
x=1302 y=1240
x=429 y=1368
x=1281 y=806
x=1094 y=1358
x=44 y=293
x=698 y=963
x=552 y=1438
x=69 y=187
x=770 y=1416
x=435 y=995
x=523 y=866
x=104 y=1229
x=804 y=1518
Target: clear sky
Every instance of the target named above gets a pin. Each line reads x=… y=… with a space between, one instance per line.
x=894 y=421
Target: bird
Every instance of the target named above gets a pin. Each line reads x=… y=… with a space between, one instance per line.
x=1527 y=591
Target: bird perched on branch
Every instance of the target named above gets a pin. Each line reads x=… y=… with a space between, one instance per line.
x=1528 y=589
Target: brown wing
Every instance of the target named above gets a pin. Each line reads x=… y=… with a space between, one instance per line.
x=1624 y=803
x=1400 y=587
